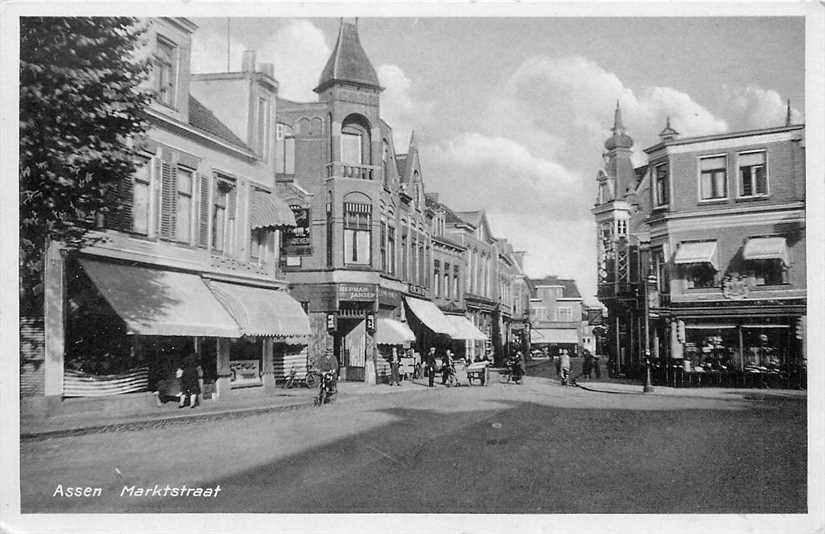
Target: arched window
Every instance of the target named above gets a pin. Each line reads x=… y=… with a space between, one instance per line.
x=385 y=162
x=285 y=149
x=355 y=140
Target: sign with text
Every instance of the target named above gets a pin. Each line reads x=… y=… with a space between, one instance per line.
x=359 y=292
x=244 y=373
x=297 y=240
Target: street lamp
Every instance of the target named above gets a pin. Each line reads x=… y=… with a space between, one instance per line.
x=650 y=282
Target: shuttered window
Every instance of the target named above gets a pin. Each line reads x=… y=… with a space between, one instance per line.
x=140 y=199
x=168 y=200
x=223 y=215
x=203 y=211
x=183 y=220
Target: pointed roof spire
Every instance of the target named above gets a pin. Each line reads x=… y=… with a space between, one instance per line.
x=619 y=139
x=617 y=119
x=668 y=133
x=788 y=114
x=412 y=140
x=348 y=61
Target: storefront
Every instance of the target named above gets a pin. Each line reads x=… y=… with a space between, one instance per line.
x=464 y=335
x=430 y=325
x=392 y=338
x=555 y=339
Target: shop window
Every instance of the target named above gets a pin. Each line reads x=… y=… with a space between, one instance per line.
x=713 y=178
x=183 y=219
x=165 y=71
x=285 y=149
x=245 y=356
x=765 y=347
x=699 y=275
x=713 y=348
x=768 y=272
x=357 y=233
x=662 y=186
x=140 y=199
x=753 y=174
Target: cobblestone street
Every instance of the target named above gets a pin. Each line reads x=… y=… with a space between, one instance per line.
x=498 y=449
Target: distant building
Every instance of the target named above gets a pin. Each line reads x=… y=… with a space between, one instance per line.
x=719 y=223
x=555 y=315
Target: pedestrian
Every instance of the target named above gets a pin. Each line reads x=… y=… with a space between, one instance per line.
x=395 y=363
x=564 y=363
x=587 y=364
x=429 y=365
x=451 y=378
x=190 y=381
x=557 y=357
x=596 y=368
x=445 y=367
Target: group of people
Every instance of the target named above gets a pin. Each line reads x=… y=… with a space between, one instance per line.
x=188 y=375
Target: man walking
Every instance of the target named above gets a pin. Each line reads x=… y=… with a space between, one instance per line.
x=564 y=363
x=429 y=365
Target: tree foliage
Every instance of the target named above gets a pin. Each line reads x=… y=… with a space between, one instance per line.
x=82 y=98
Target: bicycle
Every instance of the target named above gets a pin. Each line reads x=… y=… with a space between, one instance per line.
x=310 y=379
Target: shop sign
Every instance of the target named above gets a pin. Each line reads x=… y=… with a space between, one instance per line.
x=360 y=292
x=297 y=240
x=418 y=291
x=244 y=372
x=735 y=287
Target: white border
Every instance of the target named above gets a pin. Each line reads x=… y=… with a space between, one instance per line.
x=10 y=519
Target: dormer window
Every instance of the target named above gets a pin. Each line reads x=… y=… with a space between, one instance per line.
x=165 y=71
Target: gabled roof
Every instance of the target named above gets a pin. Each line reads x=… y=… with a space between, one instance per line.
x=569 y=288
x=348 y=62
x=203 y=119
x=472 y=217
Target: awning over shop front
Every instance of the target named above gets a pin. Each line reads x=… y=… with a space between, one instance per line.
x=699 y=252
x=268 y=211
x=392 y=332
x=263 y=312
x=767 y=248
x=429 y=314
x=554 y=335
x=464 y=329
x=154 y=302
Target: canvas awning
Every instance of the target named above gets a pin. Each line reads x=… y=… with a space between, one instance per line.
x=263 y=312
x=464 y=329
x=767 y=248
x=154 y=302
x=554 y=335
x=429 y=314
x=392 y=332
x=698 y=252
x=269 y=211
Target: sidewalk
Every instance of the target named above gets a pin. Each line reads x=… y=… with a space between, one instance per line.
x=169 y=414
x=706 y=392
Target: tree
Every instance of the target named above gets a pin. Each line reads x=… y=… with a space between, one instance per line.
x=82 y=98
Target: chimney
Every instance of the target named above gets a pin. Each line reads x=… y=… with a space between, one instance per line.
x=248 y=63
x=268 y=69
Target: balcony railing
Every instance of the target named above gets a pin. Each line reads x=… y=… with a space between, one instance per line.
x=338 y=169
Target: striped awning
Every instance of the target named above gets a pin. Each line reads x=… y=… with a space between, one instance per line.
x=767 y=248
x=269 y=211
x=263 y=312
x=464 y=329
x=392 y=332
x=154 y=302
x=697 y=252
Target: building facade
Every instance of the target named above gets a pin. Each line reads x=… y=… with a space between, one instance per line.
x=555 y=315
x=191 y=262
x=711 y=233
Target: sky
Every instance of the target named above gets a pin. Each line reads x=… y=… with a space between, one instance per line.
x=510 y=114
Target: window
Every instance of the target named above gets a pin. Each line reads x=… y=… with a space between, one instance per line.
x=383 y=246
x=391 y=250
x=385 y=162
x=183 y=220
x=564 y=313
x=437 y=278
x=140 y=200
x=660 y=268
x=257 y=246
x=223 y=216
x=404 y=266
x=414 y=258
x=713 y=178
x=661 y=190
x=455 y=282
x=753 y=174
x=621 y=227
x=357 y=233
x=699 y=275
x=767 y=272
x=262 y=128
x=165 y=61
x=285 y=149
x=351 y=148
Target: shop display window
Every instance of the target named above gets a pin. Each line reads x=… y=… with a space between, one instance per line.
x=712 y=349
x=766 y=349
x=245 y=361
x=699 y=275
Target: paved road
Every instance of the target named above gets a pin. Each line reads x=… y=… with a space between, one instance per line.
x=534 y=448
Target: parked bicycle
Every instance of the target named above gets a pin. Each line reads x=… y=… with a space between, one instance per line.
x=309 y=379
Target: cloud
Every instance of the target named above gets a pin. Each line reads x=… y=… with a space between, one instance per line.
x=474 y=171
x=755 y=107
x=297 y=49
x=399 y=107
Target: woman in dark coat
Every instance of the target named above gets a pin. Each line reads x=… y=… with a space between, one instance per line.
x=190 y=381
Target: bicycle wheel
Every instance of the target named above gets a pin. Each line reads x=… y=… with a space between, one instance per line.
x=311 y=380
